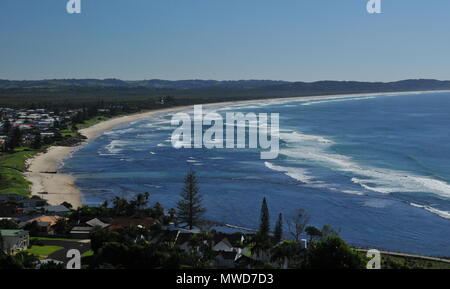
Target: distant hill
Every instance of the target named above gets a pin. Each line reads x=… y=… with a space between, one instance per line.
x=144 y=93
x=407 y=85
x=153 y=83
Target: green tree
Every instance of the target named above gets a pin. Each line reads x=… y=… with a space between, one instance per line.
x=62 y=226
x=327 y=231
x=141 y=200
x=14 y=140
x=37 y=142
x=8 y=225
x=313 y=233
x=264 y=225
x=189 y=207
x=278 y=233
x=333 y=253
x=6 y=127
x=99 y=237
x=297 y=223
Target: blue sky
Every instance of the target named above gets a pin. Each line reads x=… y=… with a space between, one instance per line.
x=297 y=40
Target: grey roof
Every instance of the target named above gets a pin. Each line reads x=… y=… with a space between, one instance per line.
x=56 y=209
x=79 y=229
x=12 y=233
x=97 y=223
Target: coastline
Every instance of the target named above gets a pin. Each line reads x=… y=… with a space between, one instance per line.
x=42 y=169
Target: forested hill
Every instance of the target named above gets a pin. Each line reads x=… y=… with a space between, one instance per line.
x=144 y=94
x=411 y=84
x=153 y=83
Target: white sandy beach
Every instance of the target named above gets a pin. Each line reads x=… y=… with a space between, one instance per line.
x=42 y=169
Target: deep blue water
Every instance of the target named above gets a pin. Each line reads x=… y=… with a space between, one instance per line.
x=377 y=168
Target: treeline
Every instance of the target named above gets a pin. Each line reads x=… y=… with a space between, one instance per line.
x=148 y=95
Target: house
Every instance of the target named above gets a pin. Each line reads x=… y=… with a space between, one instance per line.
x=228 y=242
x=14 y=240
x=56 y=210
x=245 y=262
x=226 y=259
x=123 y=222
x=31 y=204
x=11 y=198
x=47 y=134
x=9 y=210
x=183 y=240
x=97 y=223
x=79 y=232
x=45 y=223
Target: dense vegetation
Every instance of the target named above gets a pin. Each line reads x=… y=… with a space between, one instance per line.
x=146 y=94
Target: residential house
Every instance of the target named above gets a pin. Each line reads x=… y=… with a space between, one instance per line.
x=59 y=210
x=183 y=240
x=44 y=223
x=14 y=240
x=97 y=223
x=31 y=204
x=123 y=222
x=9 y=210
x=226 y=259
x=81 y=232
x=13 y=198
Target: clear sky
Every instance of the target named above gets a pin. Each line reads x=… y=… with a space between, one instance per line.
x=297 y=40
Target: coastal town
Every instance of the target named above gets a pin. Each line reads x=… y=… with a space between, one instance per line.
x=39 y=230
x=38 y=227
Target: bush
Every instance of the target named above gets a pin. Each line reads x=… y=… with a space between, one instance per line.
x=333 y=253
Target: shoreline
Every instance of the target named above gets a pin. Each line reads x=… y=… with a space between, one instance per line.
x=42 y=169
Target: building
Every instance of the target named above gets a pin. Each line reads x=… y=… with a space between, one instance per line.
x=44 y=224
x=59 y=210
x=14 y=240
x=80 y=232
x=226 y=259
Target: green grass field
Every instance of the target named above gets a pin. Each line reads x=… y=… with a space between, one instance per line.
x=12 y=165
x=11 y=168
x=43 y=251
x=54 y=239
x=87 y=254
x=91 y=122
x=400 y=262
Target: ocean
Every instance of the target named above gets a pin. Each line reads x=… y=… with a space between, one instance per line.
x=374 y=167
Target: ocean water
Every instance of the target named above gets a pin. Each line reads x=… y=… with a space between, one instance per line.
x=376 y=167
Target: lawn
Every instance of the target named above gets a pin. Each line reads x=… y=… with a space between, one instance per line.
x=400 y=262
x=11 y=168
x=92 y=121
x=88 y=254
x=54 y=239
x=68 y=132
x=43 y=251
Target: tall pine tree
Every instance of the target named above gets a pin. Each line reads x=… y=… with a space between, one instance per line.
x=278 y=233
x=189 y=207
x=264 y=226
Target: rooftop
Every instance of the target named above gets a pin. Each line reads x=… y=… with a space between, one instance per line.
x=11 y=233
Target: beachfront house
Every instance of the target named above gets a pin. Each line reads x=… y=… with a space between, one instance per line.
x=14 y=240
